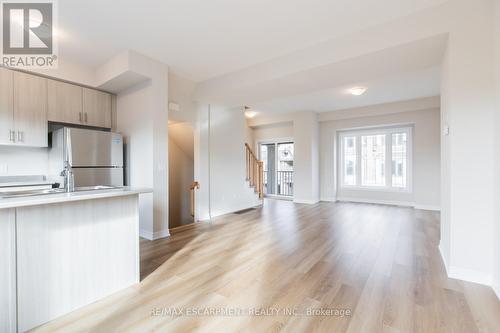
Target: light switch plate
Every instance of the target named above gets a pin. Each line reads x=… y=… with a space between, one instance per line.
x=446 y=130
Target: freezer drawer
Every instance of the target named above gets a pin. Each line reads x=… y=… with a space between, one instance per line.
x=98 y=176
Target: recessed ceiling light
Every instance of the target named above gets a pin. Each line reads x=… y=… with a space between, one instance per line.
x=249 y=113
x=357 y=91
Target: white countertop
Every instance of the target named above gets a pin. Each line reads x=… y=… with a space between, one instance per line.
x=45 y=199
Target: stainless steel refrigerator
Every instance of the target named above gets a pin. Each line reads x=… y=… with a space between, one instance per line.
x=96 y=157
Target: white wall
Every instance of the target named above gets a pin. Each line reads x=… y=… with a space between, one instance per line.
x=136 y=128
x=426 y=154
x=180 y=91
x=142 y=117
x=496 y=283
x=445 y=223
x=220 y=163
x=22 y=161
x=306 y=158
x=70 y=71
x=305 y=135
x=272 y=132
x=468 y=93
x=181 y=174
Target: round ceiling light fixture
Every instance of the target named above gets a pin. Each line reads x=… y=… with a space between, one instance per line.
x=357 y=91
x=249 y=113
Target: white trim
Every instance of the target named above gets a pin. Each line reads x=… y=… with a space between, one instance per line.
x=328 y=199
x=385 y=202
x=428 y=207
x=377 y=202
x=445 y=262
x=154 y=235
x=497 y=291
x=279 y=197
x=470 y=275
x=231 y=210
x=306 y=201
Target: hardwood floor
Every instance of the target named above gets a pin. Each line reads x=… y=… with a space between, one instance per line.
x=380 y=262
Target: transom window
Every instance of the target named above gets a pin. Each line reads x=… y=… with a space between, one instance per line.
x=376 y=158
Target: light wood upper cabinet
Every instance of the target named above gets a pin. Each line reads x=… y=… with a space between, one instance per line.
x=6 y=107
x=96 y=108
x=28 y=102
x=65 y=102
x=30 y=110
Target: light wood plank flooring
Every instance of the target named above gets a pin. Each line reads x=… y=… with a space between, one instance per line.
x=381 y=262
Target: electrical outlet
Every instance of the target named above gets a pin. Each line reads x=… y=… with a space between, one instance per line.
x=4 y=169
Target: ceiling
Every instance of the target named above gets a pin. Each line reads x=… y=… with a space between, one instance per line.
x=202 y=39
x=398 y=87
x=402 y=72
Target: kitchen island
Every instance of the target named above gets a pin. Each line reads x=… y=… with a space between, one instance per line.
x=62 y=251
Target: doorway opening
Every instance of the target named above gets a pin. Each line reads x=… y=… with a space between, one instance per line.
x=181 y=174
x=278 y=158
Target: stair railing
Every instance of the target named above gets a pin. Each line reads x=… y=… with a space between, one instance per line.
x=254 y=171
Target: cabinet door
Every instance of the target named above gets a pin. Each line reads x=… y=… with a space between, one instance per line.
x=64 y=102
x=96 y=108
x=6 y=106
x=30 y=110
x=8 y=271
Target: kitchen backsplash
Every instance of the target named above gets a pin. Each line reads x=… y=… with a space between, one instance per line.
x=23 y=161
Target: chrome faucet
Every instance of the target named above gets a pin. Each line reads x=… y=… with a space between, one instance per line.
x=69 y=178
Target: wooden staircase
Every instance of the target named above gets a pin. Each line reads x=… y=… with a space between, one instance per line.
x=255 y=171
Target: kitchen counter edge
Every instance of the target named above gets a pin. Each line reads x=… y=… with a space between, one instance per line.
x=68 y=197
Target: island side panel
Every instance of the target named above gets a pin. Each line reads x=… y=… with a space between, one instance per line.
x=7 y=271
x=74 y=253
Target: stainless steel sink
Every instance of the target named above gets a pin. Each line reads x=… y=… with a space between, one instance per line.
x=17 y=194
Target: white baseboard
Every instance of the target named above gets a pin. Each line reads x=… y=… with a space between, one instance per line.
x=470 y=275
x=232 y=210
x=496 y=289
x=427 y=207
x=326 y=199
x=445 y=262
x=279 y=197
x=306 y=201
x=154 y=235
x=378 y=202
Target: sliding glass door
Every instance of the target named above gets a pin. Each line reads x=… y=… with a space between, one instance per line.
x=278 y=160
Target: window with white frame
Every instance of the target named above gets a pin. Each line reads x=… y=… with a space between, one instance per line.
x=376 y=158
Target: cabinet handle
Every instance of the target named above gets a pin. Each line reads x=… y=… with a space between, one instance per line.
x=86 y=117
x=80 y=114
x=11 y=136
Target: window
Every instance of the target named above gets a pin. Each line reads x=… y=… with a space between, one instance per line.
x=373 y=160
x=399 y=159
x=278 y=158
x=376 y=158
x=350 y=160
